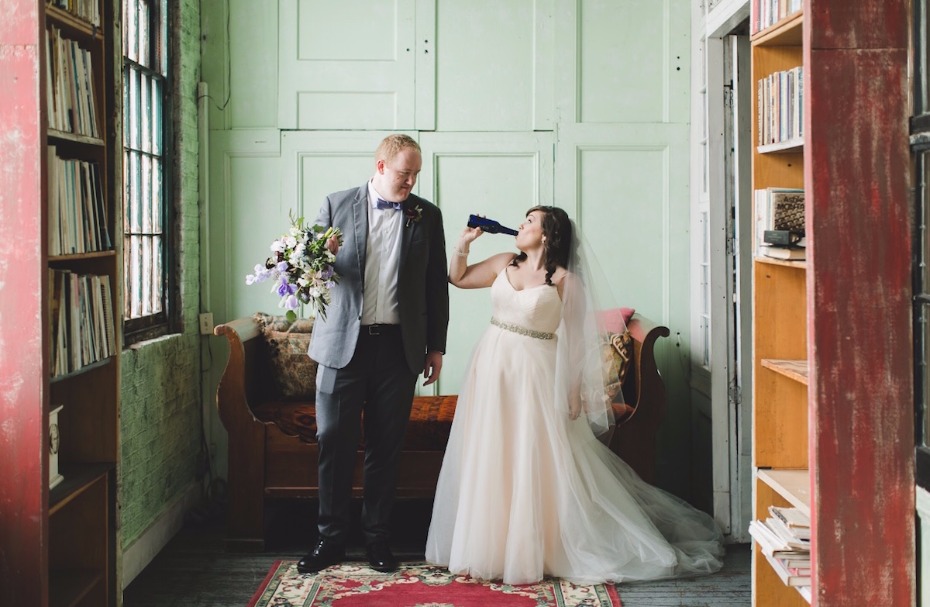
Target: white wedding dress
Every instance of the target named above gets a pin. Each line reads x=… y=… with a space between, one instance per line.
x=525 y=492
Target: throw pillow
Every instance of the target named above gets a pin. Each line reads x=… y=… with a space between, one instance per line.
x=616 y=347
x=293 y=372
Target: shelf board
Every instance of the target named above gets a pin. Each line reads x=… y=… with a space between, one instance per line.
x=793 y=485
x=791 y=146
x=794 y=369
x=75 y=24
x=88 y=367
x=78 y=478
x=799 y=265
x=786 y=32
x=82 y=256
x=75 y=138
x=68 y=586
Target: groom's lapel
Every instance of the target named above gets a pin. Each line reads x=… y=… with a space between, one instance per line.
x=360 y=222
x=408 y=232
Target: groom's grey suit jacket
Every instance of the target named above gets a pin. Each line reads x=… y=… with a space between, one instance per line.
x=422 y=283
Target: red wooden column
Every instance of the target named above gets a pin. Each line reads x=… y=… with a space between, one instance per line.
x=23 y=487
x=857 y=176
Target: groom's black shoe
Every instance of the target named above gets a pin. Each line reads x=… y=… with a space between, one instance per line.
x=380 y=557
x=327 y=552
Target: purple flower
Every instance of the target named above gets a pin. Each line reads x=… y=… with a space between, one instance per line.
x=284 y=288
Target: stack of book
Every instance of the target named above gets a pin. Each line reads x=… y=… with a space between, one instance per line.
x=784 y=538
x=765 y=13
x=781 y=107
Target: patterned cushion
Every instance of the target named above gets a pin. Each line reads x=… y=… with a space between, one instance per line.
x=292 y=371
x=428 y=429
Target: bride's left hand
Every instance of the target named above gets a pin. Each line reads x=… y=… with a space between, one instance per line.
x=574 y=406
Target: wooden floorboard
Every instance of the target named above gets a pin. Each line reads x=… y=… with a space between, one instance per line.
x=195 y=570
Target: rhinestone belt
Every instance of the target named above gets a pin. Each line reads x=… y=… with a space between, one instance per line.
x=522 y=330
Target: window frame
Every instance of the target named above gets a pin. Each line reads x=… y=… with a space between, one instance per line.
x=167 y=320
x=919 y=131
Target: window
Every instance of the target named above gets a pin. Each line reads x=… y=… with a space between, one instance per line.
x=146 y=215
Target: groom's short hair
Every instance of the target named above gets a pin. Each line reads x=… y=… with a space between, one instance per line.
x=391 y=145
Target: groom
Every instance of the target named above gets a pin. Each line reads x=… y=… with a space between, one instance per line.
x=386 y=323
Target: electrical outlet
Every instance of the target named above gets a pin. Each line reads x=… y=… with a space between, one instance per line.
x=206 y=323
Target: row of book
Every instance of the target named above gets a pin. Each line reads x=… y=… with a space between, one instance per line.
x=766 y=13
x=81 y=315
x=781 y=106
x=70 y=94
x=77 y=213
x=784 y=538
x=779 y=223
x=87 y=10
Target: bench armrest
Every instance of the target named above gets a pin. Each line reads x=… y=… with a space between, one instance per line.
x=235 y=387
x=649 y=392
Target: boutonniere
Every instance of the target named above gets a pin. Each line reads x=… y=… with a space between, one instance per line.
x=413 y=214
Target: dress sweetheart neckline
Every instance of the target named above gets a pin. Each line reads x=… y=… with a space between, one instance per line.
x=516 y=290
x=507 y=278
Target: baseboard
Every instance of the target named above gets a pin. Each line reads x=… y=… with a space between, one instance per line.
x=140 y=553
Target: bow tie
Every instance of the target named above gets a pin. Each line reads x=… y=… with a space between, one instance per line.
x=384 y=205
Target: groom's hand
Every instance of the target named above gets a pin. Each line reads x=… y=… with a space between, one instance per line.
x=332 y=243
x=432 y=367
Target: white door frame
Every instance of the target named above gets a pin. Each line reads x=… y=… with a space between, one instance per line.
x=721 y=195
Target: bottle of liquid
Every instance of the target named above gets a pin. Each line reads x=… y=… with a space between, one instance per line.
x=489 y=225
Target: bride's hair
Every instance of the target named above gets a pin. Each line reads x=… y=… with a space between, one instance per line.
x=557 y=246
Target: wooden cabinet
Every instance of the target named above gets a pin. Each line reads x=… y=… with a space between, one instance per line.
x=59 y=543
x=832 y=395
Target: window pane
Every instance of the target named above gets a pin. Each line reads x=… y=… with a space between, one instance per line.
x=145 y=113
x=163 y=14
x=922 y=330
x=143 y=38
x=158 y=211
x=130 y=32
x=921 y=59
x=155 y=115
x=158 y=270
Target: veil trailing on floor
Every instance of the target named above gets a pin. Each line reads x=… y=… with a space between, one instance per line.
x=582 y=372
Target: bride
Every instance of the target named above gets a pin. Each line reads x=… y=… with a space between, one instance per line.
x=526 y=489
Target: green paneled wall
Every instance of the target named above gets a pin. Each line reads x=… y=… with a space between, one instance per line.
x=160 y=426
x=579 y=103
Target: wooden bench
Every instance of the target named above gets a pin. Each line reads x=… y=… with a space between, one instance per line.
x=272 y=450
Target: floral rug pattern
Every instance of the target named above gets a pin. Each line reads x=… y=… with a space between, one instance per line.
x=416 y=585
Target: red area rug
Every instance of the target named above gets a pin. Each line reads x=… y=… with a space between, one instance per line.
x=416 y=585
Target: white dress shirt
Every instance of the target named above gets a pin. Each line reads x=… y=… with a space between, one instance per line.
x=382 y=263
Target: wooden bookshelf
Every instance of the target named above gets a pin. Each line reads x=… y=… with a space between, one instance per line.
x=820 y=363
x=82 y=510
x=59 y=544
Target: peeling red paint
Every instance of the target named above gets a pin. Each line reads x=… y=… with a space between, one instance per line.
x=23 y=490
x=857 y=175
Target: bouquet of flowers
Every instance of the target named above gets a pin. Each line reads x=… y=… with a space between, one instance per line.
x=300 y=267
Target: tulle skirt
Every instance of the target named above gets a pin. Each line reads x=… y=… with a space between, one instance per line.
x=525 y=492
